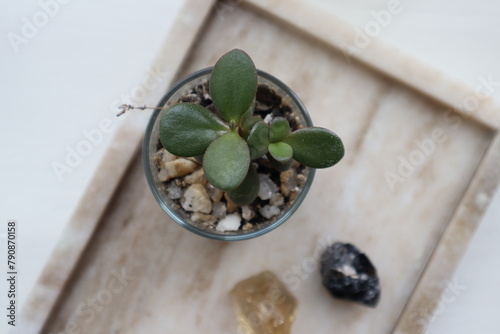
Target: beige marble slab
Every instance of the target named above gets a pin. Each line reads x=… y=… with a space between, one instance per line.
x=178 y=282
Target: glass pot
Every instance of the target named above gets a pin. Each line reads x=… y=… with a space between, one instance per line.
x=174 y=210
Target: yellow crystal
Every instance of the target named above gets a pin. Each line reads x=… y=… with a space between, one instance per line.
x=263 y=305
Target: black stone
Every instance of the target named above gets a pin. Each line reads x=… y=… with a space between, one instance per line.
x=348 y=274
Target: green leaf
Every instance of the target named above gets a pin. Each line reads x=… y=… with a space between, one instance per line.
x=186 y=129
x=248 y=190
x=258 y=140
x=316 y=147
x=226 y=161
x=248 y=125
x=249 y=113
x=281 y=151
x=279 y=129
x=279 y=166
x=233 y=84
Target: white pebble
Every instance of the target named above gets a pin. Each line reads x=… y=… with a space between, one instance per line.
x=174 y=191
x=247 y=213
x=269 y=211
x=268 y=118
x=230 y=223
x=267 y=187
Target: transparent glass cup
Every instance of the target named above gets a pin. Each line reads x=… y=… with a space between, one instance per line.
x=176 y=212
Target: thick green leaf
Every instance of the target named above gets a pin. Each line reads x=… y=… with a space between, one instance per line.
x=281 y=151
x=316 y=147
x=248 y=190
x=279 y=129
x=248 y=113
x=279 y=166
x=233 y=84
x=186 y=129
x=248 y=125
x=226 y=161
x=258 y=140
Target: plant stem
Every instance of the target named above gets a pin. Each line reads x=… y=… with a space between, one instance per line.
x=232 y=125
x=126 y=107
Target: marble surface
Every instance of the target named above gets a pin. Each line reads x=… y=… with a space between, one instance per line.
x=105 y=67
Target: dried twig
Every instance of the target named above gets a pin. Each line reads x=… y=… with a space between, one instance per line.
x=126 y=107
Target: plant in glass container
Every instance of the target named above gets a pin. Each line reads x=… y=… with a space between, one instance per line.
x=237 y=136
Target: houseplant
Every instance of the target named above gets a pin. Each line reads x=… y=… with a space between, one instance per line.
x=212 y=127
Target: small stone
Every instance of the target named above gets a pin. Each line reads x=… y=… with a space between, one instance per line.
x=277 y=200
x=231 y=206
x=198 y=176
x=202 y=91
x=264 y=305
x=288 y=181
x=191 y=98
x=163 y=175
x=348 y=274
x=214 y=193
x=219 y=210
x=198 y=217
x=268 y=118
x=163 y=156
x=167 y=157
x=174 y=191
x=247 y=226
x=269 y=211
x=176 y=168
x=247 y=213
x=301 y=180
x=293 y=195
x=180 y=167
x=230 y=223
x=267 y=187
x=157 y=158
x=196 y=199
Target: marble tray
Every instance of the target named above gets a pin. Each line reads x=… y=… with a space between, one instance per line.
x=422 y=162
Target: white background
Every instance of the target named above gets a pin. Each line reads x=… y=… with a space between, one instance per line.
x=64 y=79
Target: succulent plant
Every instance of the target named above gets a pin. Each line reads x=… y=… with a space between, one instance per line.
x=230 y=142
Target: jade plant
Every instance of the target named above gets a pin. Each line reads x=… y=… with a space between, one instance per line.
x=231 y=139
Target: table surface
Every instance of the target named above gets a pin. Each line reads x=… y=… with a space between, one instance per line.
x=81 y=59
